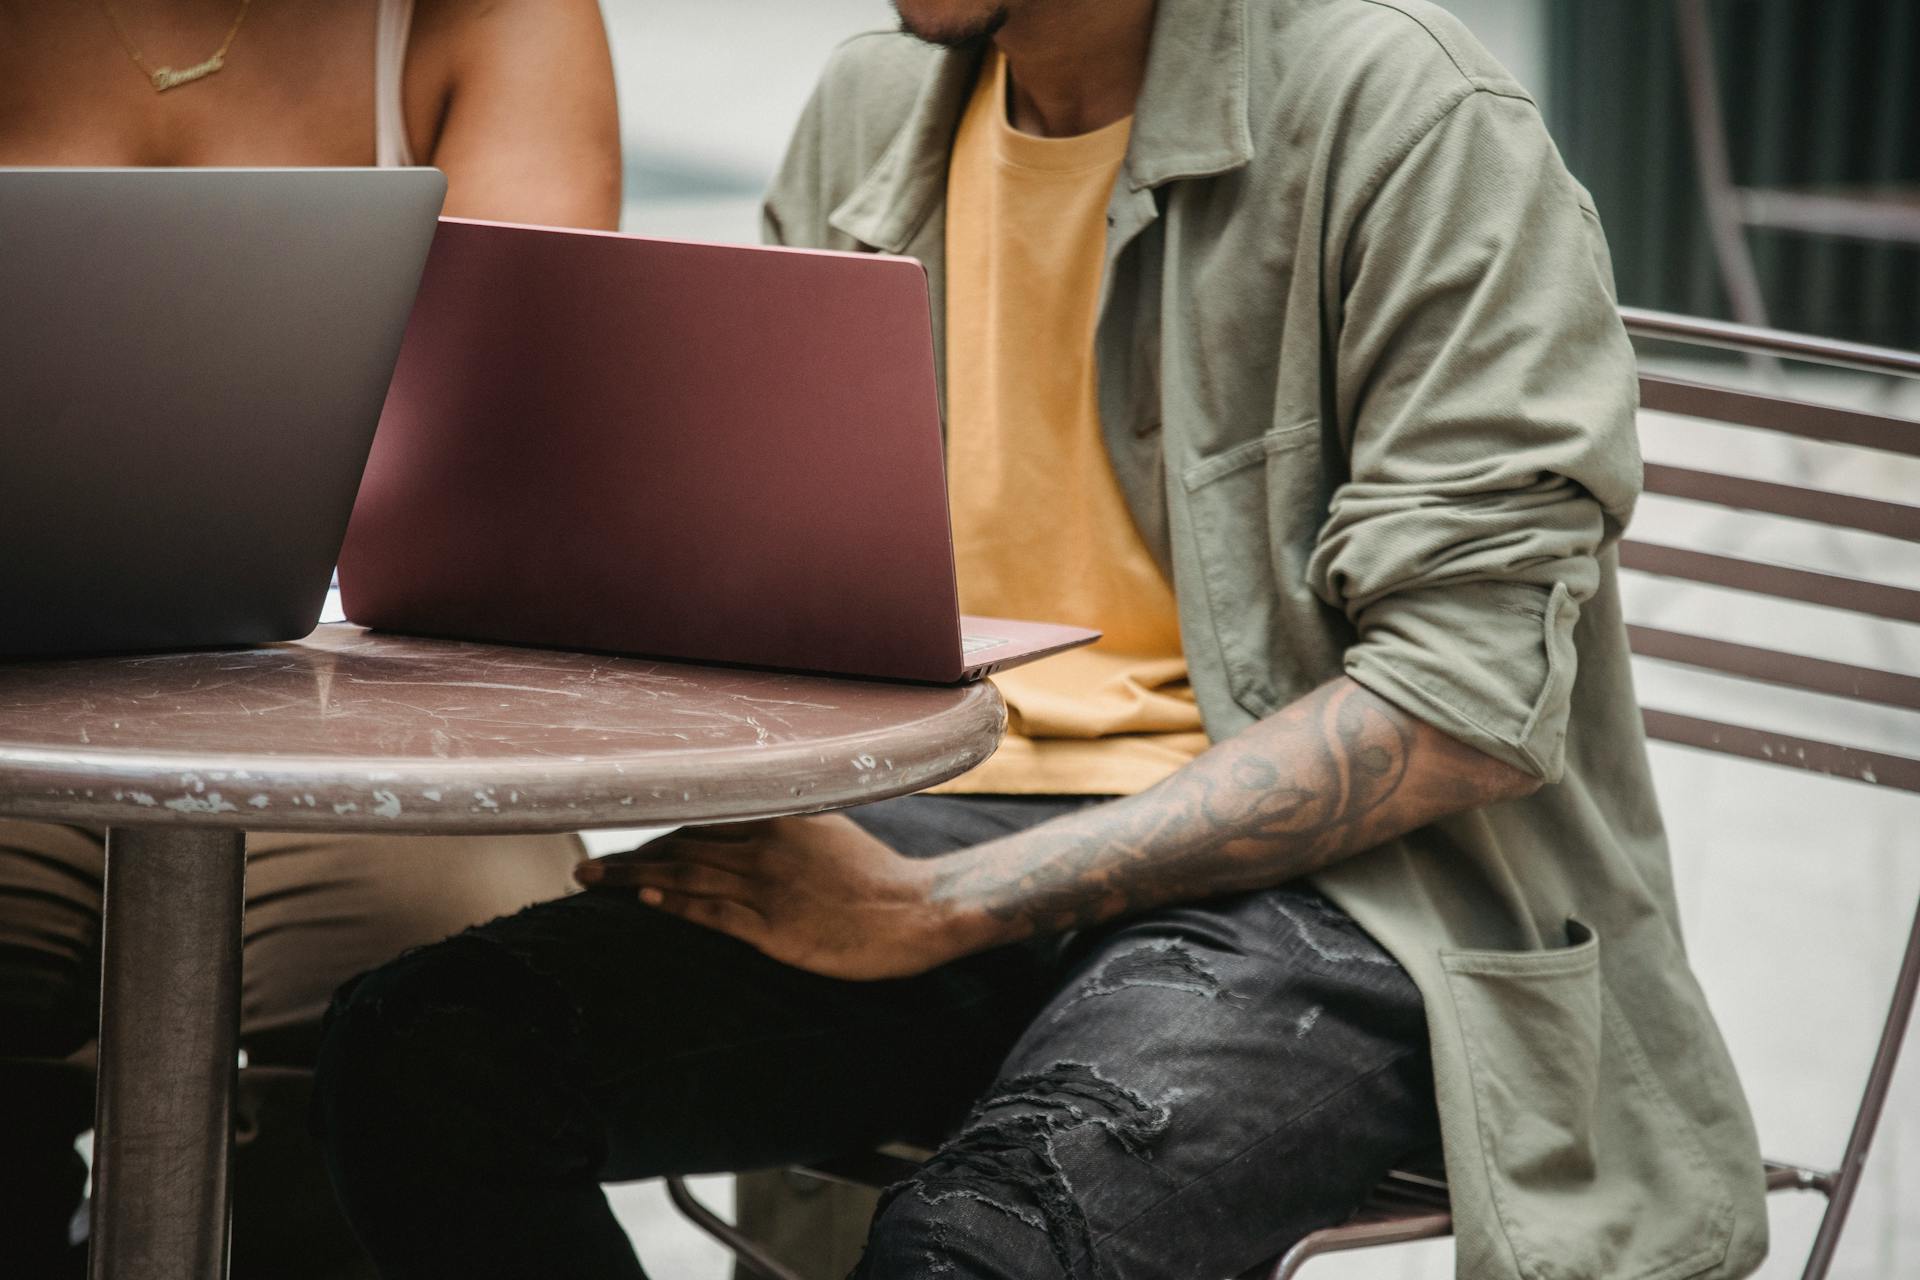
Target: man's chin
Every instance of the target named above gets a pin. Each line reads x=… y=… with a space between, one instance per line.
x=949 y=32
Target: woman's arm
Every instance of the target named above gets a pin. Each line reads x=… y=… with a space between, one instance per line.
x=514 y=100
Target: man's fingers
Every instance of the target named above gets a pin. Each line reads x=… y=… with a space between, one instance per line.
x=694 y=878
x=722 y=915
x=739 y=857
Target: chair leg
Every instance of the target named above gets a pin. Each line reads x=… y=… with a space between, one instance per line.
x=1846 y=1179
x=1359 y=1235
x=750 y=1255
x=1709 y=131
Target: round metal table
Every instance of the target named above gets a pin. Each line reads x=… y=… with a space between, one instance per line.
x=178 y=755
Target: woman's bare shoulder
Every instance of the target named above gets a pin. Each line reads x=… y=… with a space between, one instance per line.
x=457 y=30
x=515 y=100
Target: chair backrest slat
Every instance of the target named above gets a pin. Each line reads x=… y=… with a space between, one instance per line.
x=1780 y=414
x=1800 y=496
x=1891 y=519
x=1778 y=748
x=1700 y=331
x=1877 y=599
x=1771 y=666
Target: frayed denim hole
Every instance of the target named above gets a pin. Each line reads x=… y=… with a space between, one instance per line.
x=1165 y=964
x=1005 y=1156
x=1327 y=931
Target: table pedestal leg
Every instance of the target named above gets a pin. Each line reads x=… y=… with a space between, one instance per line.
x=169 y=1033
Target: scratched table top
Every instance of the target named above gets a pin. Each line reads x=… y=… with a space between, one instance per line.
x=351 y=730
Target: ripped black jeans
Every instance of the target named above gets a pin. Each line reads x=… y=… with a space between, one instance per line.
x=1181 y=1094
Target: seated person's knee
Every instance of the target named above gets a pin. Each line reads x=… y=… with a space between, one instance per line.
x=914 y=1235
x=49 y=1004
x=432 y=1049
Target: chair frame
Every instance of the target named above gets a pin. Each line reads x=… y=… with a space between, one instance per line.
x=1860 y=213
x=1407 y=1206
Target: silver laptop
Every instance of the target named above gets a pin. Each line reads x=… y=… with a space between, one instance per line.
x=192 y=364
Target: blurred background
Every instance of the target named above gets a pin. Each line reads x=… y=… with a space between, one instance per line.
x=1818 y=103
x=1745 y=156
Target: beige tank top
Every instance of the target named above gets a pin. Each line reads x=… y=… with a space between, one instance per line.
x=390 y=148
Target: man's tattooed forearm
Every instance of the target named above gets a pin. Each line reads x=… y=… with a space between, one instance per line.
x=1334 y=773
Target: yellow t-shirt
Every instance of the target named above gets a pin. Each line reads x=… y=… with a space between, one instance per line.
x=1040 y=527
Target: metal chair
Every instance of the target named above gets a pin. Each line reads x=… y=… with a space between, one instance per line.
x=1888 y=212
x=1409 y=1206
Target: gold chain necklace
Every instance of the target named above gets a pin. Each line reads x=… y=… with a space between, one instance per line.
x=165 y=78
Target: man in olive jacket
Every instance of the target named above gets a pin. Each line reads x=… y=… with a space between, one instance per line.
x=1312 y=279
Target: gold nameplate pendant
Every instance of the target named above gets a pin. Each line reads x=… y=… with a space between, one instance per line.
x=167 y=78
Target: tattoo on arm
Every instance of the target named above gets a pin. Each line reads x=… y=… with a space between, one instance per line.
x=1339 y=771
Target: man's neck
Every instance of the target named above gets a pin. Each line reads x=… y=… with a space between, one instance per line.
x=1075 y=65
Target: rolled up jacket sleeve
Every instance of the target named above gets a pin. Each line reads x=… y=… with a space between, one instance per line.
x=1486 y=390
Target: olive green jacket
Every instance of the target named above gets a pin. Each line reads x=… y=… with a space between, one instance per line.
x=1364 y=386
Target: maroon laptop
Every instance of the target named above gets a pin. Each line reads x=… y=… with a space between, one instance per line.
x=709 y=452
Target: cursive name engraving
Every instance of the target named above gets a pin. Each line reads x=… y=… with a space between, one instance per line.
x=166 y=78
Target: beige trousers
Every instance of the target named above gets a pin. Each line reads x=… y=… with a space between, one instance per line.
x=319 y=910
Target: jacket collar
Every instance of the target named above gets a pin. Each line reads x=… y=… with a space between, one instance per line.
x=1192 y=119
x=1191 y=122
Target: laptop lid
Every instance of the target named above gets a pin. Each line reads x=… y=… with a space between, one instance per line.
x=712 y=452
x=192 y=364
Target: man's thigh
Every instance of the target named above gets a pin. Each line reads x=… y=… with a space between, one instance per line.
x=701 y=1054
x=1208 y=1083
x=321 y=908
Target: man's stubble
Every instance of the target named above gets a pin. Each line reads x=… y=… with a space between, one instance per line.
x=972 y=22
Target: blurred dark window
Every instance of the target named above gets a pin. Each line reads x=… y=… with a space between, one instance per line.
x=1820 y=94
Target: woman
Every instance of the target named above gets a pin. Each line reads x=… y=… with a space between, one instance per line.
x=514 y=100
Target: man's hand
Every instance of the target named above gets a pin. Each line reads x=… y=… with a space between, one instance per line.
x=817 y=893
x=1337 y=772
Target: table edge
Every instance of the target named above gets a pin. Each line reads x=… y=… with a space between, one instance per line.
x=399 y=797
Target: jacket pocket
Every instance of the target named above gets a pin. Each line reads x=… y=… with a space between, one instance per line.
x=1270 y=485
x=1593 y=1170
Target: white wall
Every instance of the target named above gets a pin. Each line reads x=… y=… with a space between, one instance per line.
x=1514 y=31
